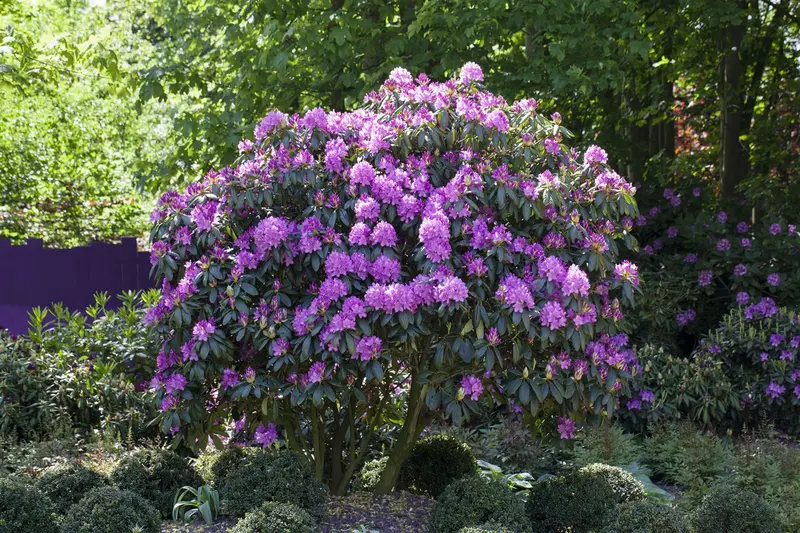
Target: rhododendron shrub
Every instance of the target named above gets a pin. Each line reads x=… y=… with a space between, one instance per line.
x=437 y=245
x=758 y=347
x=698 y=265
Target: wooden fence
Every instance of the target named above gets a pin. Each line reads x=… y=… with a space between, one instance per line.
x=31 y=275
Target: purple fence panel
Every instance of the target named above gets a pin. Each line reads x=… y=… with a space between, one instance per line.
x=32 y=275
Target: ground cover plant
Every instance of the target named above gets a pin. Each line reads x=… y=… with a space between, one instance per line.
x=389 y=259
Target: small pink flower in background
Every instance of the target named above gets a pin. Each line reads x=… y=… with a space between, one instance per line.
x=553 y=316
x=368 y=348
x=265 y=436
x=383 y=234
x=742 y=298
x=575 y=282
x=472 y=387
x=316 y=372
x=566 y=428
x=684 y=318
x=704 y=278
x=471 y=72
x=774 y=279
x=451 y=290
x=280 y=347
x=203 y=330
x=492 y=337
x=595 y=154
x=362 y=173
x=775 y=390
x=627 y=271
x=157 y=251
x=175 y=383
x=775 y=229
x=230 y=378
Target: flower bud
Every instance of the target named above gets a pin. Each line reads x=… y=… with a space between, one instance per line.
x=460 y=394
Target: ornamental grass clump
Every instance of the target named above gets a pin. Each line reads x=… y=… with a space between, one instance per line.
x=434 y=248
x=434 y=463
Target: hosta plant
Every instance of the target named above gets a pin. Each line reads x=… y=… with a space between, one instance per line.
x=434 y=250
x=191 y=503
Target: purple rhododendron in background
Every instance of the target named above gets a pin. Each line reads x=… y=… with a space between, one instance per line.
x=435 y=246
x=566 y=428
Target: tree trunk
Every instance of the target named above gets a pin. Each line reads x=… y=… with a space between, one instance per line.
x=405 y=441
x=732 y=157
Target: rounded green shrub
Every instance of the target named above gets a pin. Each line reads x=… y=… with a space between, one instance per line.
x=265 y=476
x=572 y=502
x=110 y=510
x=214 y=466
x=646 y=517
x=370 y=474
x=25 y=509
x=473 y=501
x=67 y=484
x=274 y=517
x=582 y=500
x=434 y=463
x=155 y=475
x=625 y=487
x=727 y=509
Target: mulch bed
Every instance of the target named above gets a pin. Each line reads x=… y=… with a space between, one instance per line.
x=394 y=513
x=198 y=526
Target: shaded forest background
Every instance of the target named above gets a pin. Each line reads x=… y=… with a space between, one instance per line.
x=102 y=105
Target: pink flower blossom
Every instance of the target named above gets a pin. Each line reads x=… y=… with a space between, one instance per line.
x=566 y=428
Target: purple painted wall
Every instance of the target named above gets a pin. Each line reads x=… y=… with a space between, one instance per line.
x=32 y=275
